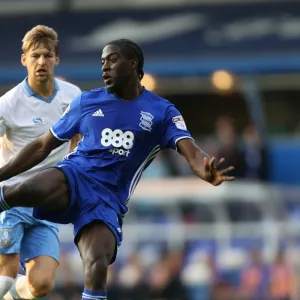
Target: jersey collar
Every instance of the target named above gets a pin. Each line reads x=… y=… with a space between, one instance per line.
x=142 y=96
x=31 y=93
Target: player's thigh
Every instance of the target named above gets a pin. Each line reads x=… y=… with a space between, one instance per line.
x=47 y=189
x=11 y=235
x=51 y=188
x=41 y=240
x=96 y=242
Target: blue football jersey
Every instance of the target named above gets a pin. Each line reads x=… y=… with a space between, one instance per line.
x=120 y=138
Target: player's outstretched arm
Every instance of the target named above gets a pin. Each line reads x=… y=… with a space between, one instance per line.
x=31 y=155
x=202 y=165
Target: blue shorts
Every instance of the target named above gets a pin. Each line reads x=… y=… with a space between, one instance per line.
x=86 y=205
x=21 y=233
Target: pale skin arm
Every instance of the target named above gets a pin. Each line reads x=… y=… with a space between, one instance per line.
x=202 y=165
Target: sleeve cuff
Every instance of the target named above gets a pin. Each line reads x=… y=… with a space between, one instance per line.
x=52 y=131
x=181 y=138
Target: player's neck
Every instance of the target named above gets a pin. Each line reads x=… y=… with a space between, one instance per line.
x=131 y=91
x=43 y=89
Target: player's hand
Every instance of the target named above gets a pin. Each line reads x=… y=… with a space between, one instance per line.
x=213 y=174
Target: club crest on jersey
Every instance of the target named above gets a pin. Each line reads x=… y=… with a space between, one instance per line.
x=146 y=121
x=179 y=122
x=6 y=235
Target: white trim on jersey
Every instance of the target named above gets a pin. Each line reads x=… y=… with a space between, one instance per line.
x=181 y=138
x=94 y=297
x=63 y=140
x=139 y=172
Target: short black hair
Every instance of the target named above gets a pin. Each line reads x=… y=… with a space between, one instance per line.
x=131 y=50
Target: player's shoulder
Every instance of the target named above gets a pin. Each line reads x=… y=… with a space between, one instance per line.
x=68 y=87
x=94 y=94
x=11 y=97
x=157 y=100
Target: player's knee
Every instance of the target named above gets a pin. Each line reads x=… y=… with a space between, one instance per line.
x=41 y=285
x=95 y=271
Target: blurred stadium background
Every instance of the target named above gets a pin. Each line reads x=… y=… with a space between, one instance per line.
x=233 y=69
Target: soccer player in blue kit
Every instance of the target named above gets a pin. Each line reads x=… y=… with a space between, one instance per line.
x=124 y=126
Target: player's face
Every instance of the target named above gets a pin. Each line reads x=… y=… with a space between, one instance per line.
x=116 y=68
x=40 y=63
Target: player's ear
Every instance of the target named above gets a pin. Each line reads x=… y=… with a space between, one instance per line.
x=133 y=64
x=23 y=60
x=57 y=60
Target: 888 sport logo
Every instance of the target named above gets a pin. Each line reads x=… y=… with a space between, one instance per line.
x=118 y=139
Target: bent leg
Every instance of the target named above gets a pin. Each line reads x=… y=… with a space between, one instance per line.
x=97 y=245
x=41 y=273
x=9 y=266
x=38 y=282
x=11 y=235
x=46 y=190
x=40 y=250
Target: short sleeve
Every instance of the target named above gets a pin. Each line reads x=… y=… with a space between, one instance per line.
x=68 y=125
x=174 y=128
x=66 y=101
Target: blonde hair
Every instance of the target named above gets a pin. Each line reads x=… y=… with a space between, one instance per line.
x=38 y=35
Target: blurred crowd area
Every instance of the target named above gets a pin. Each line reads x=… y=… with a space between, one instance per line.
x=241 y=147
x=172 y=275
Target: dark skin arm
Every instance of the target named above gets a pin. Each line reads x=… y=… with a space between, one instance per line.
x=31 y=155
x=202 y=165
x=74 y=141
